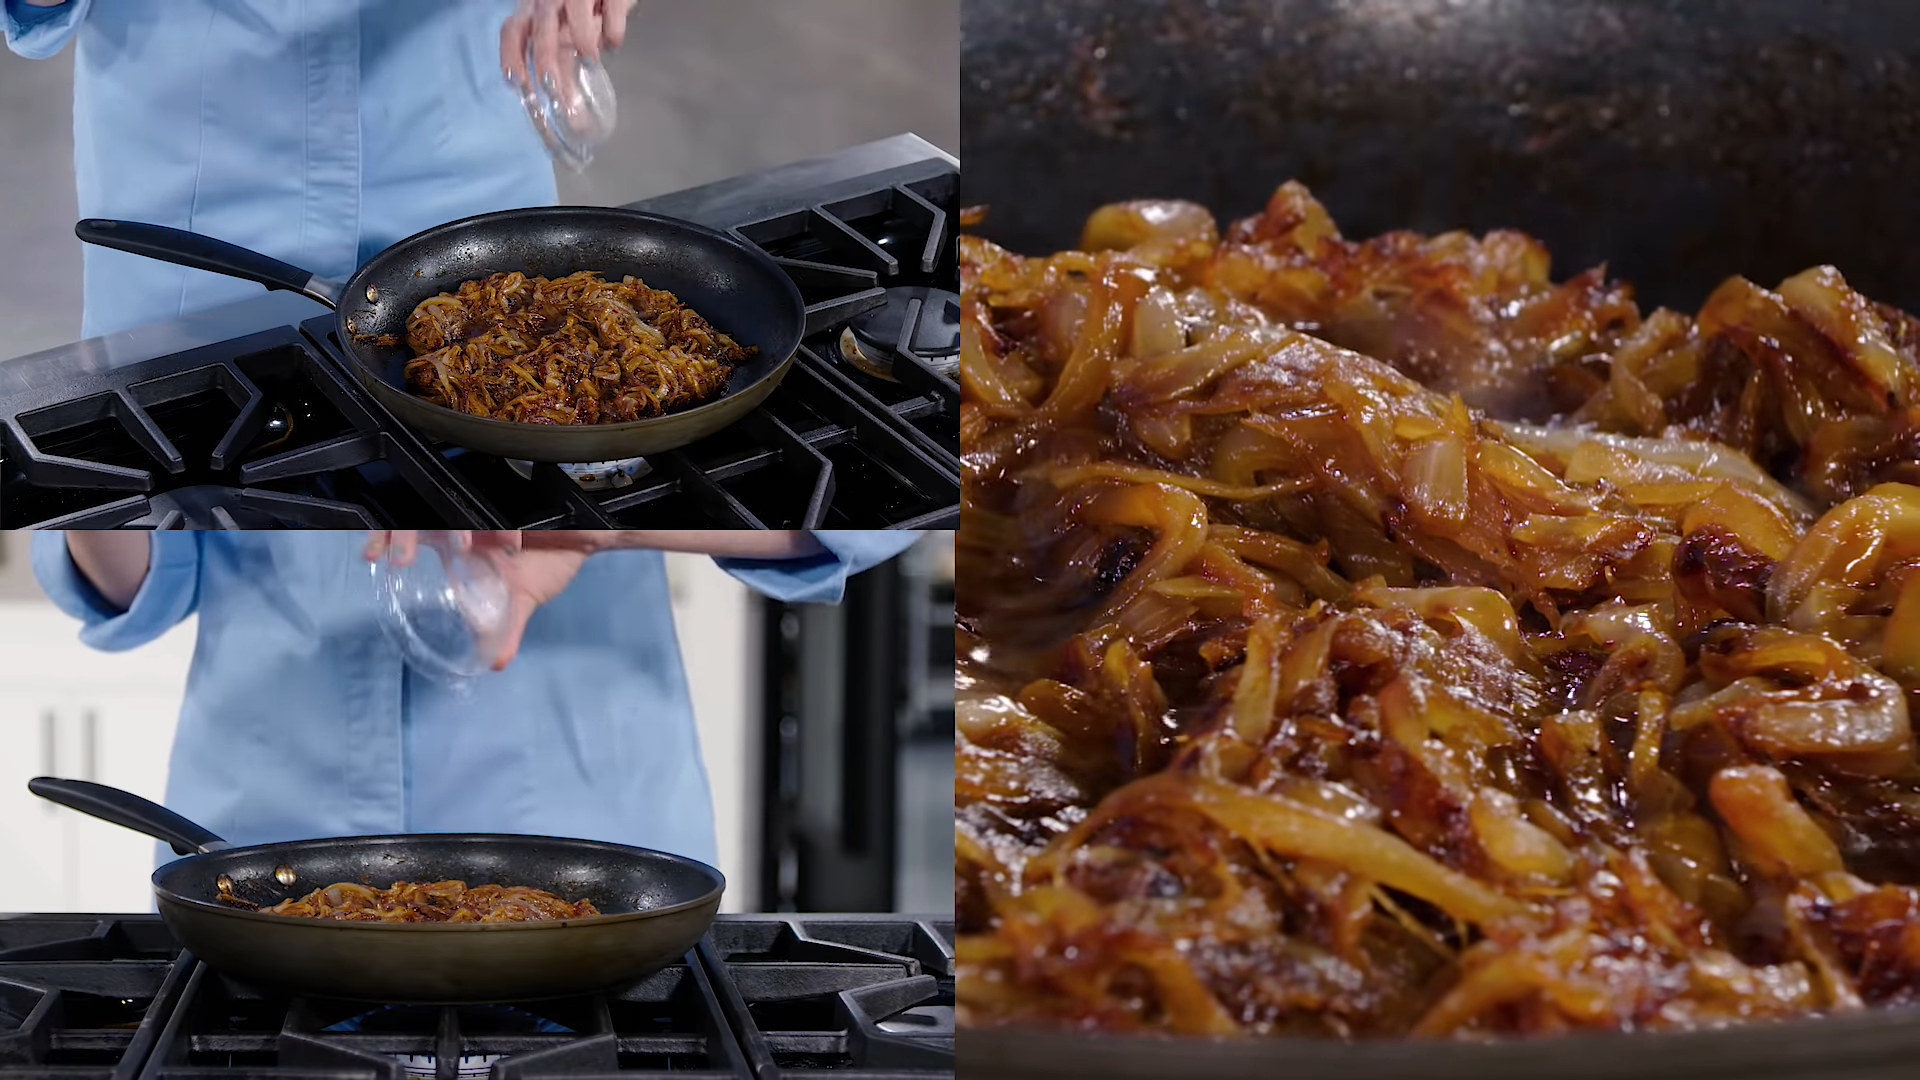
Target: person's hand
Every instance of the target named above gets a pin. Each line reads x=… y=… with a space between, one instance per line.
x=402 y=545
x=587 y=541
x=533 y=577
x=585 y=26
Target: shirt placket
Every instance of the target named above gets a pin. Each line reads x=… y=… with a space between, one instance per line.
x=330 y=218
x=372 y=704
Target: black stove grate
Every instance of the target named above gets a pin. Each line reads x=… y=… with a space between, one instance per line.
x=863 y=996
x=272 y=430
x=259 y=432
x=78 y=994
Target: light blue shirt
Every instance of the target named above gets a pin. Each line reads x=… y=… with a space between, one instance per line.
x=318 y=132
x=301 y=721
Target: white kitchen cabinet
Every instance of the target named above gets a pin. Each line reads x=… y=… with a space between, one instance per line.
x=714 y=620
x=79 y=713
x=32 y=835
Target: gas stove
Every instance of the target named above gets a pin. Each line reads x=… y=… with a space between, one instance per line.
x=267 y=429
x=111 y=997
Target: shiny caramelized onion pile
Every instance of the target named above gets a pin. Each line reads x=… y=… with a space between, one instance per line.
x=440 y=901
x=1381 y=638
x=577 y=350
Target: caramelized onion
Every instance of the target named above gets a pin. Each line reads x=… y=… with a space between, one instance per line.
x=1379 y=637
x=537 y=351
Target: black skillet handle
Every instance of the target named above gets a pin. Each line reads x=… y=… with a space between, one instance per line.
x=129 y=810
x=199 y=252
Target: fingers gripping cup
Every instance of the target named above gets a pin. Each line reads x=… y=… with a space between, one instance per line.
x=447 y=610
x=574 y=111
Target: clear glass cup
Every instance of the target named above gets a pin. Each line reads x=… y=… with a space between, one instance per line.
x=573 y=120
x=446 y=611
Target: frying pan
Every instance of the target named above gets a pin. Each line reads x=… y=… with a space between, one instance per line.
x=735 y=286
x=656 y=908
x=1677 y=142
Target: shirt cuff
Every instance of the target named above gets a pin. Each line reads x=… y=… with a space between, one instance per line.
x=38 y=32
x=820 y=579
x=169 y=594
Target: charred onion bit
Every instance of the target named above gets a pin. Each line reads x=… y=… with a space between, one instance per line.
x=1380 y=638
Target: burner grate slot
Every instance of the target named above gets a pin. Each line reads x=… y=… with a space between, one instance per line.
x=799 y=483
x=298 y=411
x=930 y=943
x=38 y=490
x=28 y=1015
x=820 y=283
x=197 y=411
x=898 y=221
x=816 y=236
x=907 y=1023
x=103 y=429
x=929 y=422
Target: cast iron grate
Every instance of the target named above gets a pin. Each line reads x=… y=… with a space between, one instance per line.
x=862 y=997
x=259 y=432
x=77 y=994
x=666 y=1025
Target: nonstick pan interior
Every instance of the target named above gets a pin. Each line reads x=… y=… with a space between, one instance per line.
x=1678 y=143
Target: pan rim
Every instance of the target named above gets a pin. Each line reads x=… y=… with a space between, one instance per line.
x=165 y=896
x=355 y=286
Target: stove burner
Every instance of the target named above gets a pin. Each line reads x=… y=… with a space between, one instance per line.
x=475 y=1019
x=875 y=336
x=594 y=475
x=426 y=1066
x=486 y=1020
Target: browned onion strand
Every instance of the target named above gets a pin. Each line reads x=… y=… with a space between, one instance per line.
x=574 y=350
x=1382 y=638
x=439 y=901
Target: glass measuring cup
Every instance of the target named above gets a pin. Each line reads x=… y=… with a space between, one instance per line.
x=574 y=116
x=446 y=611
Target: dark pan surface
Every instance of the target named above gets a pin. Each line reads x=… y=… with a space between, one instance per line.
x=737 y=288
x=1680 y=143
x=1877 y=1045
x=657 y=906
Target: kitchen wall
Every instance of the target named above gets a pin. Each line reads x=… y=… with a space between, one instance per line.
x=16 y=579
x=68 y=709
x=707 y=89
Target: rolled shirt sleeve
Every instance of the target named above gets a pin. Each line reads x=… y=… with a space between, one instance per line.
x=38 y=32
x=820 y=579
x=169 y=594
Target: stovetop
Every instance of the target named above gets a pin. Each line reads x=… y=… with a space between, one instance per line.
x=268 y=429
x=110 y=997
